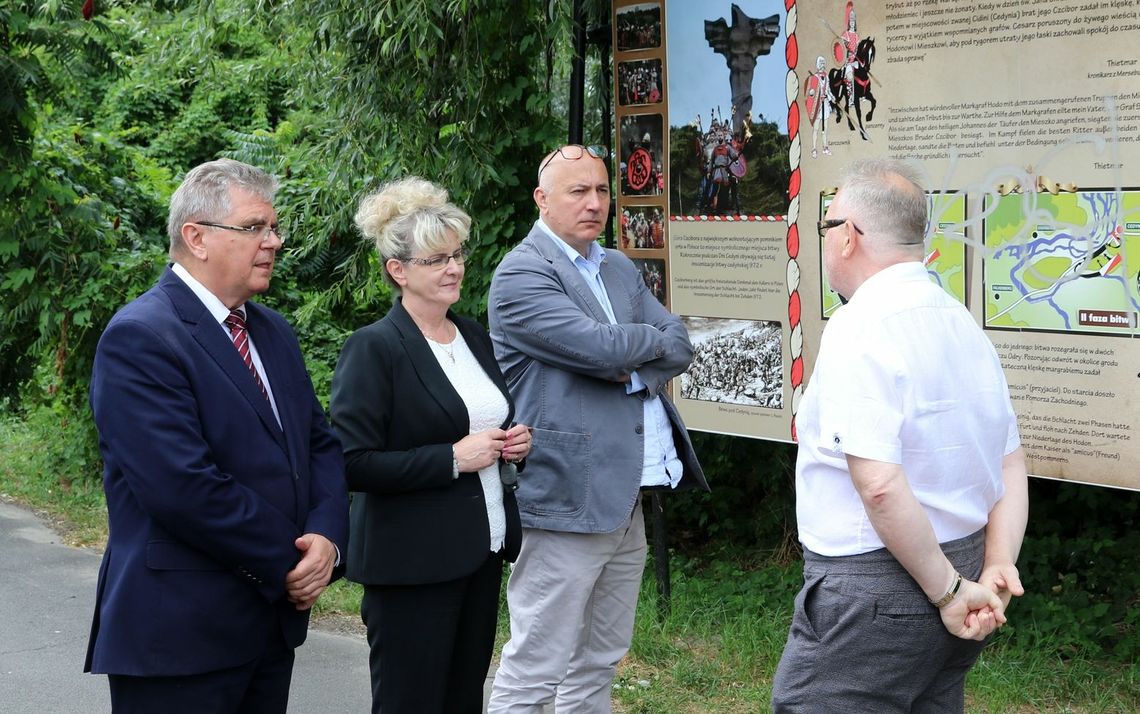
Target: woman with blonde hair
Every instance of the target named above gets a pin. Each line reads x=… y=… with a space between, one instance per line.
x=425 y=418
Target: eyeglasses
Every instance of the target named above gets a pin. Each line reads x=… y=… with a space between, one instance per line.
x=828 y=223
x=437 y=262
x=260 y=231
x=573 y=152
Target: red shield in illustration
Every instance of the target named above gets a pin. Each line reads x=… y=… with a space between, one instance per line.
x=638 y=169
x=813 y=91
x=840 y=52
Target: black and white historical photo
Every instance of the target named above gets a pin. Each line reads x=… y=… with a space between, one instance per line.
x=735 y=362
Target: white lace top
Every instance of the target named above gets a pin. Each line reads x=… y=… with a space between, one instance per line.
x=486 y=409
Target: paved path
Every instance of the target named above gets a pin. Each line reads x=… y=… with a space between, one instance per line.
x=47 y=591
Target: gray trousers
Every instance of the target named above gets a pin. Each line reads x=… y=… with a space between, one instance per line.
x=864 y=638
x=572 y=597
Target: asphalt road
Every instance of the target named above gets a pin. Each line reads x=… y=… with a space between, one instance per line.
x=47 y=592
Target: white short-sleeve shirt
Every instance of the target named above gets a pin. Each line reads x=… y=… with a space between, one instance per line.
x=904 y=376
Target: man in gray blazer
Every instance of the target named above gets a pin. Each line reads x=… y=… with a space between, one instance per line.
x=587 y=352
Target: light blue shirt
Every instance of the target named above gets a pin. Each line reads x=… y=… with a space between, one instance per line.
x=661 y=465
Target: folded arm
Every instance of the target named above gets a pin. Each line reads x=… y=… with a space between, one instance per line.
x=537 y=315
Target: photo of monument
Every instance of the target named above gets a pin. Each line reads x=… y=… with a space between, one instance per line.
x=727 y=109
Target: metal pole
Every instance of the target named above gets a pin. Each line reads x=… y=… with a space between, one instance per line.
x=577 y=76
x=661 y=555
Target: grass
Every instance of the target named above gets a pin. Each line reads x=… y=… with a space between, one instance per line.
x=57 y=477
x=714 y=651
x=717 y=650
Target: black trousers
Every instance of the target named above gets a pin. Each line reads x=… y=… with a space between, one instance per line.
x=430 y=645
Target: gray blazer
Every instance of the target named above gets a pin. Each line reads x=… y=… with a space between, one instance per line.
x=562 y=358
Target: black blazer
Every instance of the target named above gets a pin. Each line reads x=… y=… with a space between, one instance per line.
x=397 y=416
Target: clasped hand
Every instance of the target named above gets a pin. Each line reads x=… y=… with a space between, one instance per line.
x=979 y=607
x=483 y=448
x=311 y=575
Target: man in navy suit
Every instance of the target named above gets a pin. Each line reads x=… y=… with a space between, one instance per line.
x=226 y=500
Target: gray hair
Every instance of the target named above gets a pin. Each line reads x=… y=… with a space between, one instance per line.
x=205 y=194
x=888 y=196
x=408 y=216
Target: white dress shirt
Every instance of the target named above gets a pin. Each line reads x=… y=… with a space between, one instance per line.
x=487 y=408
x=904 y=376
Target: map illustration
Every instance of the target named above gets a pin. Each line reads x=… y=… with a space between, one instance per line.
x=1066 y=268
x=945 y=251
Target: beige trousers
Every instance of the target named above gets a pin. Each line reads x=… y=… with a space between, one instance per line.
x=572 y=597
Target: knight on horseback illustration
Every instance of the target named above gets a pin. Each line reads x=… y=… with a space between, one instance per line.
x=845 y=48
x=850 y=83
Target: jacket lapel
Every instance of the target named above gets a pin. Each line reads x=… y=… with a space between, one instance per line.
x=427 y=367
x=568 y=273
x=212 y=338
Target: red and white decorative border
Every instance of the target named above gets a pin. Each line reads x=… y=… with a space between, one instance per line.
x=728 y=219
x=796 y=341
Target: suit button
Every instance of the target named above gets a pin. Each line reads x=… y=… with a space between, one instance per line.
x=638 y=429
x=660 y=352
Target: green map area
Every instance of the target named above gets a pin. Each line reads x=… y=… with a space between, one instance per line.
x=1060 y=263
x=945 y=253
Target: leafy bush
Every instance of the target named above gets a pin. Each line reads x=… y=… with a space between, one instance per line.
x=1081 y=569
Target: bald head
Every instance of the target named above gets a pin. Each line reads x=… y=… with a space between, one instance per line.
x=573 y=195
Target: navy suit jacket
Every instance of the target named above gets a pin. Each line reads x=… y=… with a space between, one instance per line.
x=205 y=492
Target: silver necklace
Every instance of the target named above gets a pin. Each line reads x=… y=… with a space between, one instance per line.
x=448 y=349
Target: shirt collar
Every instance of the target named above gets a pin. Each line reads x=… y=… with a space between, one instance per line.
x=596 y=254
x=217 y=308
x=889 y=278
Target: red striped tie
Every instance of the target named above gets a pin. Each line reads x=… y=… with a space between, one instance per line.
x=238 y=333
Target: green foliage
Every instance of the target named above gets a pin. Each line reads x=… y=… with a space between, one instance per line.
x=752 y=502
x=475 y=121
x=1081 y=569
x=84 y=239
x=49 y=462
x=341 y=598
x=41 y=44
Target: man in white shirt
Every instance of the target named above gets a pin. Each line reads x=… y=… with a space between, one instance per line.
x=911 y=488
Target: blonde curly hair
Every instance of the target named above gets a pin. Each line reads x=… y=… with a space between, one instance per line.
x=409 y=216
